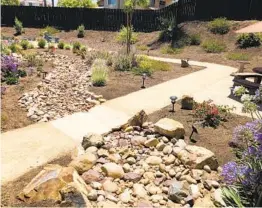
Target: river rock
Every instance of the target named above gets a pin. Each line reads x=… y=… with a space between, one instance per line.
x=113 y=170
x=110 y=186
x=91 y=175
x=92 y=139
x=139 y=191
x=153 y=160
x=84 y=162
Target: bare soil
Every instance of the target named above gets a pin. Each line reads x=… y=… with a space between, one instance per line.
x=10 y=190
x=123 y=83
x=106 y=40
x=214 y=139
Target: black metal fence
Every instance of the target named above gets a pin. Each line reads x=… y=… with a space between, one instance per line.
x=143 y=20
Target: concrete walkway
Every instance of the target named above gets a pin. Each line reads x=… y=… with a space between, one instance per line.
x=254 y=28
x=37 y=144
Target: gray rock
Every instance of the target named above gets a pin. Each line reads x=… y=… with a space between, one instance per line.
x=92 y=139
x=175 y=192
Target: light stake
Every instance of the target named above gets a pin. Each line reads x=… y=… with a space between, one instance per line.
x=173 y=101
x=143 y=79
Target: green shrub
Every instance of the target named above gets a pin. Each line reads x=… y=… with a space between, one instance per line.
x=30 y=46
x=18 y=27
x=123 y=62
x=248 y=40
x=67 y=47
x=99 y=72
x=167 y=26
x=238 y=56
x=213 y=46
x=11 y=80
x=41 y=43
x=219 y=26
x=49 y=30
x=149 y=66
x=21 y=73
x=195 y=39
x=83 y=48
x=170 y=50
x=81 y=31
x=6 y=51
x=92 y=55
x=24 y=44
x=142 y=47
x=122 y=36
x=76 y=46
x=61 y=45
x=15 y=48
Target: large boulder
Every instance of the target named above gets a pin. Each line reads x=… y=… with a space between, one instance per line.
x=197 y=157
x=92 y=139
x=84 y=162
x=57 y=183
x=113 y=170
x=138 y=119
x=170 y=128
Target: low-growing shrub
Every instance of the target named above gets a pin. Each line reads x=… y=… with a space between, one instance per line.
x=170 y=50
x=99 y=72
x=213 y=46
x=48 y=30
x=12 y=80
x=167 y=27
x=122 y=36
x=22 y=73
x=142 y=47
x=149 y=66
x=15 y=48
x=123 y=62
x=195 y=39
x=33 y=60
x=91 y=56
x=81 y=31
x=24 y=44
x=67 y=47
x=18 y=27
x=238 y=56
x=83 y=49
x=76 y=46
x=30 y=46
x=211 y=114
x=248 y=40
x=51 y=46
x=219 y=26
x=61 y=45
x=41 y=43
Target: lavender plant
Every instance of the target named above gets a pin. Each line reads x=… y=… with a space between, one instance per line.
x=243 y=177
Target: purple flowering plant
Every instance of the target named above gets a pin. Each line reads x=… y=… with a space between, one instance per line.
x=243 y=176
x=9 y=66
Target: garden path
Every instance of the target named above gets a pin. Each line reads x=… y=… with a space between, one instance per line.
x=35 y=145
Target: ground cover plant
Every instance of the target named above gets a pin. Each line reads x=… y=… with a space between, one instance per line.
x=61 y=45
x=122 y=36
x=213 y=46
x=24 y=44
x=219 y=26
x=41 y=43
x=237 y=56
x=49 y=31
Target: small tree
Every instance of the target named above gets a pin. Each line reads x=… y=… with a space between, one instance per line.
x=76 y=3
x=129 y=7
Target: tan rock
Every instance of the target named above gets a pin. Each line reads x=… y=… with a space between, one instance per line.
x=138 y=119
x=113 y=170
x=84 y=162
x=170 y=128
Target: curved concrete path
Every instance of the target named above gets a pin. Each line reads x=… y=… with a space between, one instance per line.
x=35 y=145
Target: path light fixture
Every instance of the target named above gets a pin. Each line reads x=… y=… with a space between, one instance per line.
x=143 y=80
x=173 y=101
x=194 y=130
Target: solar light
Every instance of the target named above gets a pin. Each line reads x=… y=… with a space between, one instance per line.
x=173 y=101
x=194 y=130
x=143 y=79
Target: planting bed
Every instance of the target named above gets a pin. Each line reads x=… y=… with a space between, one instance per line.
x=214 y=139
x=123 y=83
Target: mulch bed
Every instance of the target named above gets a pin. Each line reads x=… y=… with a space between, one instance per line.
x=215 y=140
x=123 y=83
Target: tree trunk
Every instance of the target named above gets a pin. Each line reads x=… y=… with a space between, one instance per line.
x=53 y=3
